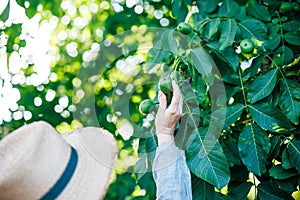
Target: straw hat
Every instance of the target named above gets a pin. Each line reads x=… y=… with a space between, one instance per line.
x=36 y=162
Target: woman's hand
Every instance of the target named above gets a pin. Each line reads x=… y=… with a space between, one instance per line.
x=167 y=118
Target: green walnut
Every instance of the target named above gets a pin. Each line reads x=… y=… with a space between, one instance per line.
x=184 y=28
x=286 y=7
x=247 y=46
x=165 y=85
x=145 y=106
x=296 y=6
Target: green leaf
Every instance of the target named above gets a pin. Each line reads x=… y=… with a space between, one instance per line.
x=259 y=11
x=200 y=88
x=210 y=6
x=230 y=148
x=201 y=189
x=54 y=7
x=21 y=3
x=14 y=32
x=267 y=190
x=233 y=112
x=253 y=28
x=292 y=38
x=206 y=159
x=230 y=91
x=291 y=25
x=273 y=42
x=168 y=41
x=220 y=196
x=273 y=98
x=289 y=99
x=32 y=9
x=241 y=15
x=283 y=55
x=270 y=118
x=255 y=65
x=5 y=13
x=286 y=162
x=275 y=146
x=239 y=173
x=228 y=55
x=190 y=118
x=254 y=146
x=229 y=9
x=146 y=152
x=211 y=28
x=156 y=55
x=294 y=153
x=262 y=86
x=273 y=28
x=289 y=185
x=227 y=33
x=227 y=73
x=179 y=9
x=201 y=60
x=278 y=172
x=240 y=192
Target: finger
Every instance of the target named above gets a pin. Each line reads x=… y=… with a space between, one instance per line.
x=176 y=89
x=173 y=107
x=180 y=105
x=177 y=94
x=162 y=99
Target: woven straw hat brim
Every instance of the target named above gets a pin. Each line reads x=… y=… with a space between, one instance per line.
x=34 y=157
x=97 y=152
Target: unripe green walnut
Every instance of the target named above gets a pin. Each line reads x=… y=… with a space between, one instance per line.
x=247 y=46
x=165 y=85
x=285 y=7
x=296 y=6
x=184 y=28
x=145 y=106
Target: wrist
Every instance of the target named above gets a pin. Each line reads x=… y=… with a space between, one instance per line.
x=162 y=138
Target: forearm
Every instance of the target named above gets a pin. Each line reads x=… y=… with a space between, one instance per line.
x=171 y=173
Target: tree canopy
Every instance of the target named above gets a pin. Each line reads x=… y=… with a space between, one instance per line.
x=76 y=63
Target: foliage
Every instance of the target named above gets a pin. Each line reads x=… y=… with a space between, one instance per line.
x=254 y=122
x=240 y=126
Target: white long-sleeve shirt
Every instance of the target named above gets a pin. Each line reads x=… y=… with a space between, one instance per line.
x=171 y=174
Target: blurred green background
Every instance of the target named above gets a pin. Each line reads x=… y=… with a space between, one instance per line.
x=51 y=69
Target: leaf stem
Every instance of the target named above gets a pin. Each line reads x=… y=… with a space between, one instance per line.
x=176 y=62
x=278 y=68
x=243 y=89
x=281 y=31
x=188 y=16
